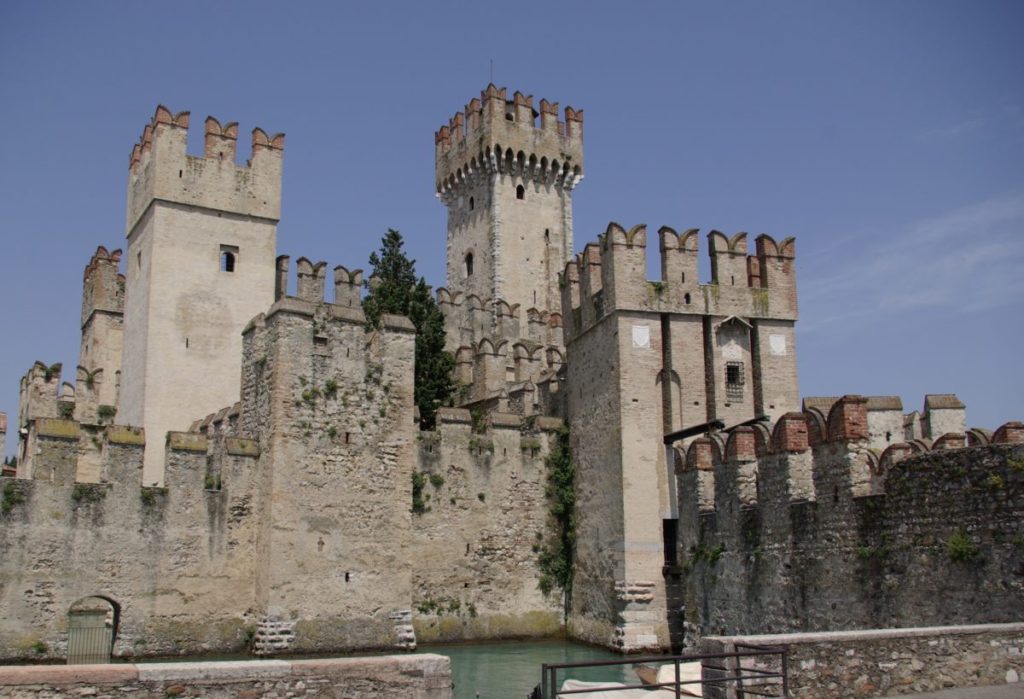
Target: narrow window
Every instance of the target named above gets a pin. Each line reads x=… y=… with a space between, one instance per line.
x=734 y=380
x=138 y=260
x=228 y=258
x=472 y=204
x=683 y=280
x=469 y=264
x=520 y=192
x=547 y=235
x=686 y=299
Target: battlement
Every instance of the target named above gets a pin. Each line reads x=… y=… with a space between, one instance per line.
x=610 y=274
x=495 y=134
x=469 y=319
x=841 y=437
x=311 y=283
x=103 y=284
x=160 y=169
x=792 y=517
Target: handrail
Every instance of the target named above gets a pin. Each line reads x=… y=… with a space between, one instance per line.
x=729 y=675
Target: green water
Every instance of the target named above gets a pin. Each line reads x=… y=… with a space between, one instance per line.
x=511 y=669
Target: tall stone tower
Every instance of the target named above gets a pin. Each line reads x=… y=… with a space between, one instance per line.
x=200 y=264
x=507 y=181
x=99 y=358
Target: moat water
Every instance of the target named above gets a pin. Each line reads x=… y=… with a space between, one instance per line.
x=511 y=669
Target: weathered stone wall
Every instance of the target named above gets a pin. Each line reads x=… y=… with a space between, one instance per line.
x=829 y=535
x=886 y=662
x=425 y=676
x=478 y=525
x=176 y=561
x=333 y=408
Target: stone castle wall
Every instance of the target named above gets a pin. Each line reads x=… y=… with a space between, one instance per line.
x=176 y=560
x=283 y=522
x=482 y=518
x=806 y=528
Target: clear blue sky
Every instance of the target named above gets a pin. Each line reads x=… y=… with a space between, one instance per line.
x=888 y=137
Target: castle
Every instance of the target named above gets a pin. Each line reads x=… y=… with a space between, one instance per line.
x=234 y=466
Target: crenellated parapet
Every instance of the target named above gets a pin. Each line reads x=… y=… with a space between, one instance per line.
x=495 y=135
x=823 y=514
x=469 y=319
x=160 y=169
x=611 y=275
x=103 y=285
x=39 y=392
x=311 y=283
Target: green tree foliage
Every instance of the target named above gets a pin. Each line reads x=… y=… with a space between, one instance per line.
x=396 y=290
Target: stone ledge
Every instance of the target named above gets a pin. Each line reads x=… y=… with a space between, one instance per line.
x=238 y=446
x=67 y=674
x=56 y=429
x=429 y=671
x=123 y=434
x=870 y=634
x=218 y=670
x=187 y=441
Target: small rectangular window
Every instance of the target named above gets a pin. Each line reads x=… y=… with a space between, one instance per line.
x=734 y=380
x=228 y=258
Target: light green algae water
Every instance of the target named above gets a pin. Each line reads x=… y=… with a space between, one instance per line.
x=511 y=669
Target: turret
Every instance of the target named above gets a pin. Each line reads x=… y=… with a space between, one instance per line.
x=507 y=180
x=202 y=236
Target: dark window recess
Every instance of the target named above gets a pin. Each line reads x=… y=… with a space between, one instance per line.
x=227 y=261
x=734 y=380
x=669 y=536
x=469 y=264
x=520 y=192
x=472 y=203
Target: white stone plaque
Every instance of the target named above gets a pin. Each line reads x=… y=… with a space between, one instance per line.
x=777 y=343
x=641 y=336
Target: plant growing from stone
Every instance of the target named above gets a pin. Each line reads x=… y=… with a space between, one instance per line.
x=556 y=554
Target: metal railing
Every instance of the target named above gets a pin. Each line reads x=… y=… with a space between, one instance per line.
x=751 y=671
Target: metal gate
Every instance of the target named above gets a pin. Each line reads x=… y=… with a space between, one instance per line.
x=90 y=637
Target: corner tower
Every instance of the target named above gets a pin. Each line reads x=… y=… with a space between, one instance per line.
x=200 y=264
x=507 y=180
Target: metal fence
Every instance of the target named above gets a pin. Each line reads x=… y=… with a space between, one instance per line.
x=749 y=672
x=90 y=638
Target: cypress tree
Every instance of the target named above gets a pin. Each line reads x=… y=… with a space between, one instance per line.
x=396 y=290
